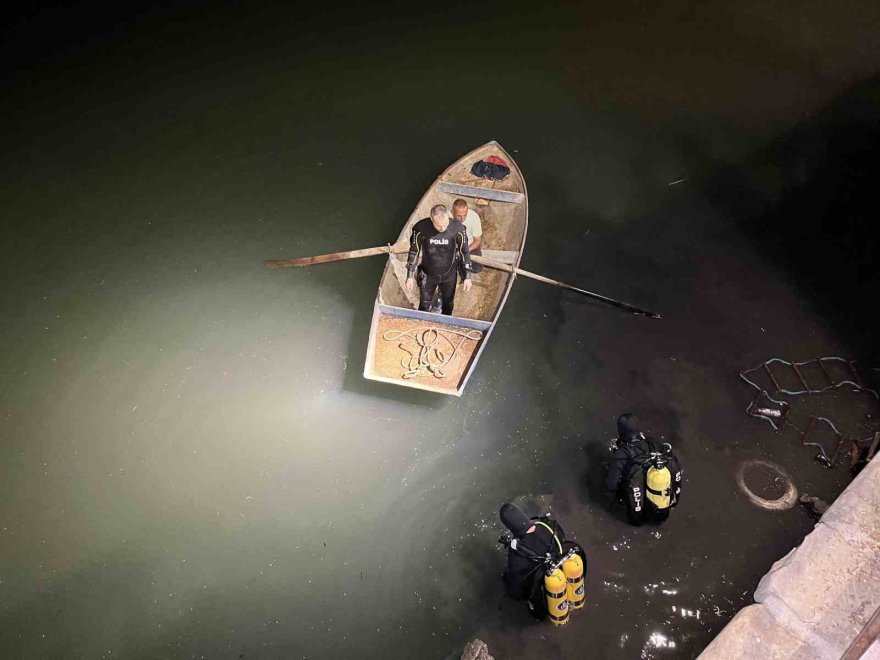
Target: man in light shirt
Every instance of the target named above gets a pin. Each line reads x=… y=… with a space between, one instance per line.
x=474 y=226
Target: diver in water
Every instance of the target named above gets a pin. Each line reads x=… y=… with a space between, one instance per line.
x=643 y=473
x=533 y=542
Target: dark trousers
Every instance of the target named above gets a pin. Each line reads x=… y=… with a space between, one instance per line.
x=428 y=291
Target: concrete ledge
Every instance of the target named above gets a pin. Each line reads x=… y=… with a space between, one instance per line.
x=755 y=633
x=816 y=599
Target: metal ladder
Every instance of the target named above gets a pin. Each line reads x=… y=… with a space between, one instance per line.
x=856 y=383
x=778 y=412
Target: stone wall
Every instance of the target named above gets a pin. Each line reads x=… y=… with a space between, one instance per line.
x=816 y=599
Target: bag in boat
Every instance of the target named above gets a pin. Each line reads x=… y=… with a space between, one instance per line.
x=489 y=170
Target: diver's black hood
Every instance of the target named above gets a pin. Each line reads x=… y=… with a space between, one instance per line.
x=514 y=519
x=627 y=426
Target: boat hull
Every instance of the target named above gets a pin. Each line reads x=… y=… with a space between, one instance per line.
x=434 y=352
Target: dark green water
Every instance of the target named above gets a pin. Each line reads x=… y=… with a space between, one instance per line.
x=192 y=464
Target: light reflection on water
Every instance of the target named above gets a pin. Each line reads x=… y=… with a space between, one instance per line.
x=657 y=641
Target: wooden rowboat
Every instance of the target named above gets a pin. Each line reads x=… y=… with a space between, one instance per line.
x=434 y=352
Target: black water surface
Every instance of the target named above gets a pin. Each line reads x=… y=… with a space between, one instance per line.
x=192 y=464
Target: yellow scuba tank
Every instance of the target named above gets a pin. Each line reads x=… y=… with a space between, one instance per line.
x=573 y=567
x=557 y=597
x=658 y=482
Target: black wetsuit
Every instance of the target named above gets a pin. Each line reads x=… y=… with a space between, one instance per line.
x=444 y=254
x=623 y=460
x=525 y=562
x=627 y=459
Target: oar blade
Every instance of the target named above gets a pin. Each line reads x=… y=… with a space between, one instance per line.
x=492 y=263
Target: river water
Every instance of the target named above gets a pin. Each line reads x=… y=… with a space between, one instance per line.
x=192 y=463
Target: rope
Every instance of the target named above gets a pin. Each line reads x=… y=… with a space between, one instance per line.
x=427 y=348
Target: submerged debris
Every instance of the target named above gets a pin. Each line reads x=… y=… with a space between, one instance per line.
x=814 y=506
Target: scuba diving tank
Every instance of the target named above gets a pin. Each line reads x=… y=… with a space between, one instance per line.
x=557 y=597
x=573 y=567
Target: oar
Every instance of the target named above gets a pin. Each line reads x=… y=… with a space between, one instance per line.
x=397 y=248
x=492 y=263
x=403 y=246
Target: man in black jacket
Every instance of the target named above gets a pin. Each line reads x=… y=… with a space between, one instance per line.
x=442 y=245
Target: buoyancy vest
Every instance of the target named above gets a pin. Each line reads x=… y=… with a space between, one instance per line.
x=535 y=550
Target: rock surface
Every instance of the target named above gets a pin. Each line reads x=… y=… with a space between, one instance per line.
x=476 y=650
